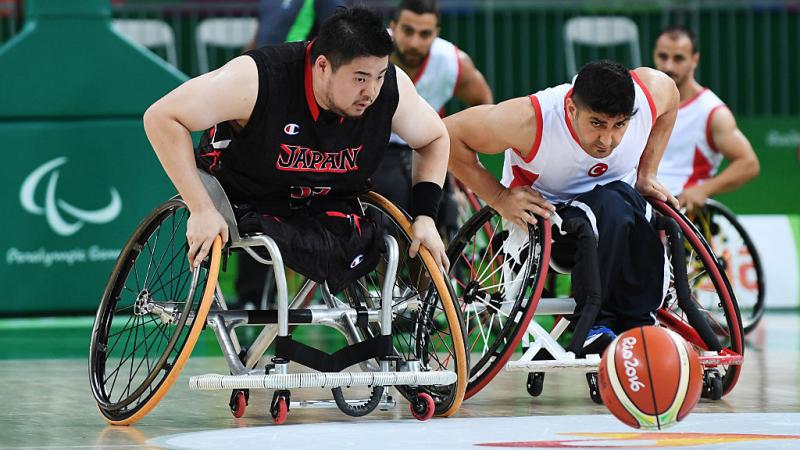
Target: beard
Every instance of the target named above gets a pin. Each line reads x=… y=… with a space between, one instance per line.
x=679 y=80
x=411 y=58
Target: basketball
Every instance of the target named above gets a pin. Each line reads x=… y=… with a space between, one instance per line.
x=650 y=378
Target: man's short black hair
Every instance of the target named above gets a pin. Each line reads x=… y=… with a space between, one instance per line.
x=352 y=33
x=677 y=31
x=418 y=7
x=605 y=87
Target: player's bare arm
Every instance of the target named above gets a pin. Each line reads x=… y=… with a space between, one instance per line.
x=228 y=93
x=734 y=146
x=491 y=129
x=419 y=125
x=472 y=87
x=666 y=99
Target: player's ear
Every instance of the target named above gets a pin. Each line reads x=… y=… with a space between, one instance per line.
x=322 y=62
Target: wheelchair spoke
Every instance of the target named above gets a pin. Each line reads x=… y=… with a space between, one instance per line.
x=489 y=246
x=119 y=333
x=137 y=324
x=482 y=276
x=500 y=311
x=152 y=254
x=164 y=284
x=116 y=372
x=136 y=277
x=132 y=373
x=468 y=262
x=169 y=245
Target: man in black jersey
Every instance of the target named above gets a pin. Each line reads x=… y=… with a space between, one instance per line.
x=296 y=130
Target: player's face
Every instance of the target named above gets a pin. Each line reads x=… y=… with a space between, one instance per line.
x=599 y=134
x=351 y=88
x=674 y=57
x=413 y=36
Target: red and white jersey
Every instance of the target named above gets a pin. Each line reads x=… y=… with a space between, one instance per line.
x=437 y=79
x=558 y=167
x=690 y=157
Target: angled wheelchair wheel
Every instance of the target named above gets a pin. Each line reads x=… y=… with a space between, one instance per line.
x=426 y=325
x=718 y=323
x=498 y=272
x=150 y=316
x=739 y=258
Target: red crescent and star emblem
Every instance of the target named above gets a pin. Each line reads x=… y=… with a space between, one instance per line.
x=598 y=169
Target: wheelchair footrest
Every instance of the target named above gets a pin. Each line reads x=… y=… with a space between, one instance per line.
x=714 y=359
x=321 y=379
x=588 y=364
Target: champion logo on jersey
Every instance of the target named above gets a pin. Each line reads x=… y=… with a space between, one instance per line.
x=356 y=261
x=598 y=169
x=291 y=129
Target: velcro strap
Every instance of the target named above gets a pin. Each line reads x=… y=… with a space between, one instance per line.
x=378 y=347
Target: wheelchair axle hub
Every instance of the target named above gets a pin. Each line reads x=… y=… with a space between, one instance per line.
x=473 y=293
x=142 y=300
x=144 y=305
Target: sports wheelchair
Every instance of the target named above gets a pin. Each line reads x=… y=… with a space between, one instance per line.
x=401 y=323
x=499 y=272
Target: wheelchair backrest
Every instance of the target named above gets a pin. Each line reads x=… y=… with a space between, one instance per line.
x=221 y=202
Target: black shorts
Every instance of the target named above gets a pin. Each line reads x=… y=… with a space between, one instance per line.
x=337 y=246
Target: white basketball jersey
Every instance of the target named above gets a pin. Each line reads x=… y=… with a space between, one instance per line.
x=558 y=166
x=690 y=157
x=437 y=79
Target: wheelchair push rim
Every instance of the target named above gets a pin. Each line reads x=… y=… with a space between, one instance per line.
x=150 y=316
x=478 y=273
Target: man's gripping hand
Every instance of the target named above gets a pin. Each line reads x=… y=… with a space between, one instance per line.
x=520 y=204
x=202 y=228
x=424 y=233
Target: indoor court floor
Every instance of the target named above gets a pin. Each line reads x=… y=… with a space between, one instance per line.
x=47 y=404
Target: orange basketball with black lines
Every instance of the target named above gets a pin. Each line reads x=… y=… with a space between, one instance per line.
x=650 y=378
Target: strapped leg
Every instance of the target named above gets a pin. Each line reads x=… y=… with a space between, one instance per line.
x=585 y=279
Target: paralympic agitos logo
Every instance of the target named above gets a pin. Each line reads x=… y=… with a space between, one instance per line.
x=295 y=158
x=55 y=209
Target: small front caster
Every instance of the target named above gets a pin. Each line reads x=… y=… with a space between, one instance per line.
x=712 y=384
x=279 y=408
x=422 y=407
x=240 y=398
x=594 y=389
x=535 y=383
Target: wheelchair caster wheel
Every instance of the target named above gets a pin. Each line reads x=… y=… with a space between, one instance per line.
x=712 y=385
x=535 y=383
x=594 y=389
x=280 y=406
x=239 y=401
x=422 y=407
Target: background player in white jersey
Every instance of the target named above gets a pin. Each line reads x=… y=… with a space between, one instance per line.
x=440 y=71
x=590 y=149
x=705 y=131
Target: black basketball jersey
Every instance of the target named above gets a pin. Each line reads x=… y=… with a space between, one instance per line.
x=291 y=154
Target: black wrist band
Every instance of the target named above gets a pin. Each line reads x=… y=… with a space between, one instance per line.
x=425 y=198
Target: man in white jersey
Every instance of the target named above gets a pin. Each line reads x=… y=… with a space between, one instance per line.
x=440 y=71
x=590 y=149
x=705 y=131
